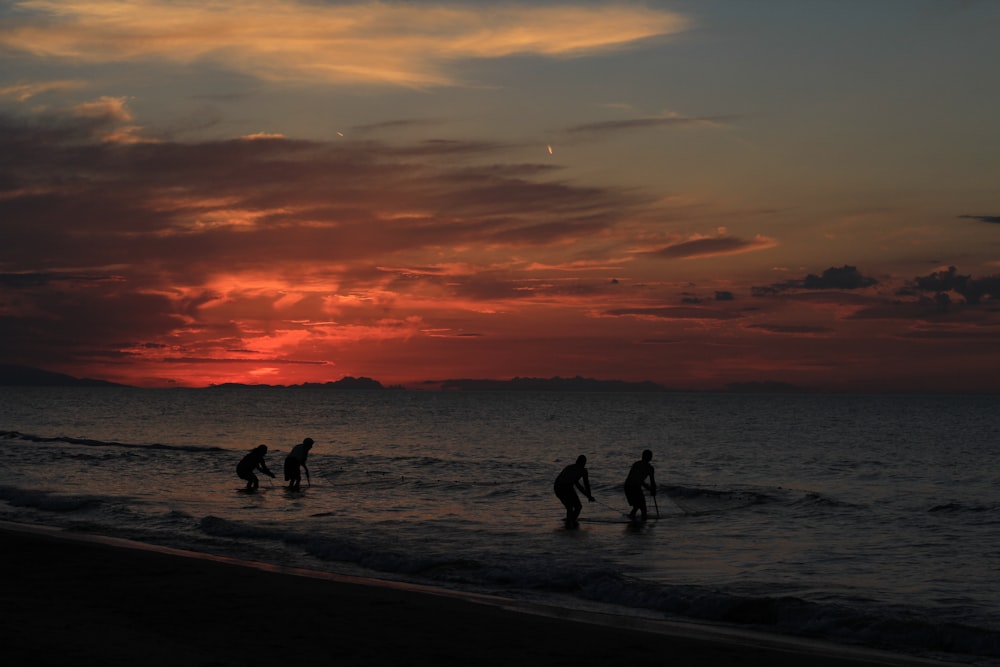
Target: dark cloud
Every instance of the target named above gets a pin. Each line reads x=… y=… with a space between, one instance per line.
x=507 y=285
x=548 y=232
x=973 y=290
x=67 y=198
x=168 y=216
x=791 y=329
x=399 y=123
x=26 y=280
x=993 y=219
x=443 y=147
x=22 y=280
x=939 y=308
x=835 y=278
x=706 y=247
x=844 y=277
x=607 y=126
x=986 y=335
x=673 y=313
x=65 y=319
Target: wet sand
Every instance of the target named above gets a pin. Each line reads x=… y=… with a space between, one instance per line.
x=70 y=598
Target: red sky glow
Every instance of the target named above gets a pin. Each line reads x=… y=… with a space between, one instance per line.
x=691 y=193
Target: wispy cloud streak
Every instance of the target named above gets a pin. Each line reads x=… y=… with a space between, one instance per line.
x=667 y=120
x=362 y=42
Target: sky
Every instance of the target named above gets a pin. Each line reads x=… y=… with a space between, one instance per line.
x=695 y=193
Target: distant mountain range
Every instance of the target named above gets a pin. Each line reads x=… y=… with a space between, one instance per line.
x=549 y=384
x=345 y=383
x=23 y=376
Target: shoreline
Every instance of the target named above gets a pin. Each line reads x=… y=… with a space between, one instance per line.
x=73 y=596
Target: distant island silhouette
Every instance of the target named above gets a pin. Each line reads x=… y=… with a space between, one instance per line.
x=546 y=384
x=346 y=383
x=768 y=387
x=12 y=375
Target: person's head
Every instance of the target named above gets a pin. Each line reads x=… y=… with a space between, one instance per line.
x=262 y=449
x=647 y=455
x=581 y=460
x=308 y=442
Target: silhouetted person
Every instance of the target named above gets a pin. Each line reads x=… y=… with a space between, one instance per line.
x=634 y=484
x=253 y=461
x=573 y=475
x=295 y=459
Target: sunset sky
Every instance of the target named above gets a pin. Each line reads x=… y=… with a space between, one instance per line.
x=695 y=192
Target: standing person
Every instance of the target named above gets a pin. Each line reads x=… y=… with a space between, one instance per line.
x=297 y=457
x=635 y=482
x=253 y=461
x=573 y=475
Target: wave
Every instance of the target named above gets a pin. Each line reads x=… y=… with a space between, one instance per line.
x=818 y=500
x=697 y=501
x=895 y=628
x=961 y=508
x=15 y=435
x=892 y=628
x=49 y=501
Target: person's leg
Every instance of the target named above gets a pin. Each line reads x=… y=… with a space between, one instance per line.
x=633 y=500
x=568 y=498
x=575 y=509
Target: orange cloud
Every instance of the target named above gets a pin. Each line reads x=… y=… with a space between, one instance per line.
x=22 y=92
x=363 y=42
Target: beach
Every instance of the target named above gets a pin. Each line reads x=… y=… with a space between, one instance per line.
x=91 y=600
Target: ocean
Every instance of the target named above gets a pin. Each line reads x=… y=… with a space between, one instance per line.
x=867 y=520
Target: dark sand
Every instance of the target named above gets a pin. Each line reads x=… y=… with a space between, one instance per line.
x=67 y=599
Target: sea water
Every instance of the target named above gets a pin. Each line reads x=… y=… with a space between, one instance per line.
x=862 y=519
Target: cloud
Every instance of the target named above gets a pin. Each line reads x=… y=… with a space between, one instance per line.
x=27 y=279
x=396 y=124
x=262 y=136
x=104 y=108
x=362 y=42
x=712 y=246
x=219 y=246
x=844 y=277
x=792 y=329
x=22 y=92
x=667 y=120
x=834 y=278
x=992 y=219
x=973 y=290
x=673 y=313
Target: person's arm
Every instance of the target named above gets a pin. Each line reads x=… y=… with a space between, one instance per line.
x=585 y=487
x=652 y=482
